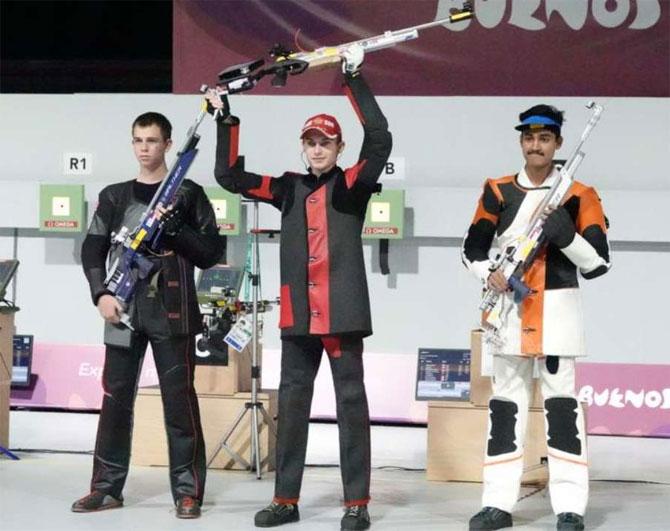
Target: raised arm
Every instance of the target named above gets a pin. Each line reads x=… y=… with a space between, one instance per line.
x=229 y=167
x=377 y=141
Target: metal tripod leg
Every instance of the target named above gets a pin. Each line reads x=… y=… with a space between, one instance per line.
x=255 y=437
x=269 y=421
x=223 y=444
x=255 y=441
x=254 y=405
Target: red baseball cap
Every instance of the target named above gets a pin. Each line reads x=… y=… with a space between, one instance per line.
x=325 y=124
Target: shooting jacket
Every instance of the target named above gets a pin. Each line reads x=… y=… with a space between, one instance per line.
x=549 y=320
x=323 y=284
x=197 y=244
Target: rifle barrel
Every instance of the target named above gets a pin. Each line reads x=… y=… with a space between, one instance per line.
x=439 y=22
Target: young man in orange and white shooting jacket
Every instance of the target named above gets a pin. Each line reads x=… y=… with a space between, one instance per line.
x=546 y=326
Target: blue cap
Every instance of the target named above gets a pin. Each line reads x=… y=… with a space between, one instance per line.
x=541 y=117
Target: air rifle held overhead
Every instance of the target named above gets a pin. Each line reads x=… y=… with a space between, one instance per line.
x=245 y=76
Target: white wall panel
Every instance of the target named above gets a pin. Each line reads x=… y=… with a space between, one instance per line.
x=450 y=146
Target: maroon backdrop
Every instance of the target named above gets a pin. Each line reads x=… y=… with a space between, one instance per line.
x=511 y=48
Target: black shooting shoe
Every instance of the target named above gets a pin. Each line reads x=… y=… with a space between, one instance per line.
x=187 y=507
x=490 y=518
x=277 y=514
x=570 y=522
x=356 y=517
x=96 y=501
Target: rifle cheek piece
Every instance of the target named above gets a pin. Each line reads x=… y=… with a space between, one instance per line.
x=241 y=77
x=283 y=68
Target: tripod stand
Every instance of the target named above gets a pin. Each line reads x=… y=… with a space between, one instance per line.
x=254 y=406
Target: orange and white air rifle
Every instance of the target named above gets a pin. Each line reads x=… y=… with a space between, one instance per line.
x=517 y=258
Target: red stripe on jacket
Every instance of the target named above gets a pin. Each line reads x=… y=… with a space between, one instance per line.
x=285 y=307
x=354 y=104
x=234 y=145
x=263 y=191
x=351 y=174
x=318 y=262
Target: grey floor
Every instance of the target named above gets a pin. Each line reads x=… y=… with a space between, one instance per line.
x=36 y=492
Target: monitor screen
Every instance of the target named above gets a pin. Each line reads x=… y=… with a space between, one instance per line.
x=7 y=270
x=220 y=281
x=22 y=361
x=443 y=374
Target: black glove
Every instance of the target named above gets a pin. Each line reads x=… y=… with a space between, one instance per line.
x=558 y=228
x=172 y=221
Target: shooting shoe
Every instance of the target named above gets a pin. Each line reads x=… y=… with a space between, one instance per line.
x=277 y=514
x=96 y=501
x=490 y=518
x=187 y=507
x=570 y=522
x=356 y=517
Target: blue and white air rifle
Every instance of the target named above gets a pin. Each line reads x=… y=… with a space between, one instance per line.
x=129 y=246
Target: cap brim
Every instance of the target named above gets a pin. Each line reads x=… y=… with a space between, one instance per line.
x=322 y=131
x=537 y=127
x=537 y=122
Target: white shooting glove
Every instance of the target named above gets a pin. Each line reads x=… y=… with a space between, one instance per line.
x=352 y=58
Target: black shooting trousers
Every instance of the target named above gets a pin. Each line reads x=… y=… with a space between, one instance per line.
x=174 y=358
x=301 y=357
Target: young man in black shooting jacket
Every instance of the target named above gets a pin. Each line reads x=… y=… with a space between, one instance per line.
x=164 y=312
x=324 y=294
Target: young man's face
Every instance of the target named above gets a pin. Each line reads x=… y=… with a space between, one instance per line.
x=321 y=151
x=539 y=147
x=150 y=146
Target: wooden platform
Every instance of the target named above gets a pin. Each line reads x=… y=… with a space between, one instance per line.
x=217 y=413
x=6 y=361
x=457 y=430
x=457 y=438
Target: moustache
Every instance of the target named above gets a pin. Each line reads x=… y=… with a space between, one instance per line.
x=534 y=152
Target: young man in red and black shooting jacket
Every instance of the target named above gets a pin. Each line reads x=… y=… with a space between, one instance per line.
x=324 y=293
x=164 y=311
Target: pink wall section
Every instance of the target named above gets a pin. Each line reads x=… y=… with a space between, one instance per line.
x=623 y=399
x=69 y=377
x=626 y=399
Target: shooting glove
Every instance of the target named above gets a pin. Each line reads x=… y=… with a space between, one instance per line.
x=352 y=59
x=558 y=228
x=172 y=221
x=224 y=112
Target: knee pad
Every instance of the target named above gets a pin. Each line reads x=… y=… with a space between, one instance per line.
x=503 y=423
x=562 y=430
x=552 y=363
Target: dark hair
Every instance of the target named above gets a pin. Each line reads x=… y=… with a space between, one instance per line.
x=154 y=118
x=543 y=110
